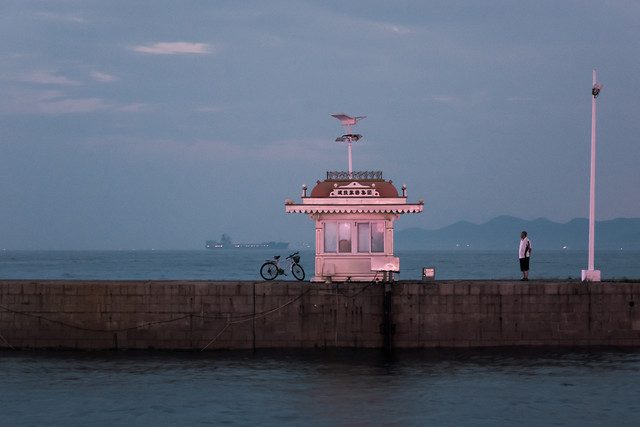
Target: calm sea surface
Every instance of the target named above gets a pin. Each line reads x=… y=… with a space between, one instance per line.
x=483 y=387
x=505 y=387
x=245 y=264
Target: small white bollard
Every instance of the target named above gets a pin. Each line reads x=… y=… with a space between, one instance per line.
x=590 y=275
x=428 y=274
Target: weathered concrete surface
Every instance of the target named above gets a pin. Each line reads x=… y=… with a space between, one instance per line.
x=197 y=315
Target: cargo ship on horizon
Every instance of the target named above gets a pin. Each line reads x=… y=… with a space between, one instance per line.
x=226 y=243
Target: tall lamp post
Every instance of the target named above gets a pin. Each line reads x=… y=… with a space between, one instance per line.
x=590 y=274
x=348 y=122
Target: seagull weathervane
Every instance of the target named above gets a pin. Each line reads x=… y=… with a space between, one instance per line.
x=348 y=122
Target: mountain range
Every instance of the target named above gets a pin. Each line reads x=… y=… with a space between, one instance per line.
x=503 y=233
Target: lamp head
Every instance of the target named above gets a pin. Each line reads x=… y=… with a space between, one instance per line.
x=596 y=90
x=349 y=137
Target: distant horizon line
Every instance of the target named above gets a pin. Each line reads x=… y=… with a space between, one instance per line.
x=302 y=245
x=520 y=219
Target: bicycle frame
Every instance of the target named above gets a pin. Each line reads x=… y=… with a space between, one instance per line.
x=284 y=264
x=291 y=262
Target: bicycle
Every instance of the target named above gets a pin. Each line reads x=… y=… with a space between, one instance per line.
x=272 y=268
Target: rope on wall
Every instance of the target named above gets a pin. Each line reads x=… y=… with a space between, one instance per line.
x=237 y=319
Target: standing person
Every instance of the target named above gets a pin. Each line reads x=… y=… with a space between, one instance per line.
x=524 y=253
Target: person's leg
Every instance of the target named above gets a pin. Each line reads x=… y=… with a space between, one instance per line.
x=522 y=268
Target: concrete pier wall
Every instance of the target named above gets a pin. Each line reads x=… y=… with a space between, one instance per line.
x=197 y=315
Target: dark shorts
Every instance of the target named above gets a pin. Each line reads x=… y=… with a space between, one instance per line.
x=524 y=264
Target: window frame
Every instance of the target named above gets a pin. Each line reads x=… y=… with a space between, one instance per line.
x=332 y=241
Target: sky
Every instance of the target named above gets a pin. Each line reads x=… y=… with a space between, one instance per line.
x=161 y=124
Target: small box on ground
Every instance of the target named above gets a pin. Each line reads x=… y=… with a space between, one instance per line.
x=428 y=274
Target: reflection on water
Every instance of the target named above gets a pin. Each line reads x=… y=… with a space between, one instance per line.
x=322 y=387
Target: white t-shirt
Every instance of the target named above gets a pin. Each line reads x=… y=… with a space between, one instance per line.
x=523 y=248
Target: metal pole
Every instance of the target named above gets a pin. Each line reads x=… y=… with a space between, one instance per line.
x=591 y=274
x=350 y=168
x=592 y=201
x=349 y=132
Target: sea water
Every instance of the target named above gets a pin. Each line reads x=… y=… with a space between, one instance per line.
x=320 y=387
x=491 y=387
x=245 y=264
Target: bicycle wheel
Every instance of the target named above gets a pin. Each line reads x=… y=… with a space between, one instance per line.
x=269 y=271
x=297 y=271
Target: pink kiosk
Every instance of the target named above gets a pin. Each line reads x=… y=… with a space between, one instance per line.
x=354 y=214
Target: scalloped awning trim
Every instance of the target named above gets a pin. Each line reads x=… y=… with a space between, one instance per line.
x=391 y=209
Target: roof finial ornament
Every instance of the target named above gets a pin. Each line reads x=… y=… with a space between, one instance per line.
x=348 y=122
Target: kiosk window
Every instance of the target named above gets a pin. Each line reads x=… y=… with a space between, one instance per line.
x=344 y=234
x=377 y=237
x=330 y=237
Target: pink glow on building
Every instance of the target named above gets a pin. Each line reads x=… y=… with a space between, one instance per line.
x=354 y=214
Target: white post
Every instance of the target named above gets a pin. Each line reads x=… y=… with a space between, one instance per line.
x=592 y=193
x=590 y=274
x=350 y=168
x=349 y=129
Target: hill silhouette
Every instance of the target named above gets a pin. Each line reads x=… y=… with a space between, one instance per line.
x=503 y=233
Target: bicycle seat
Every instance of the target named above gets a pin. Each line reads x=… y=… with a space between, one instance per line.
x=276 y=257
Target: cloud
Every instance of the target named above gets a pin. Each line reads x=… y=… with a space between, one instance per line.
x=210 y=109
x=26 y=101
x=102 y=77
x=48 y=77
x=133 y=108
x=388 y=28
x=61 y=17
x=467 y=100
x=218 y=152
x=76 y=105
x=174 y=48
x=447 y=99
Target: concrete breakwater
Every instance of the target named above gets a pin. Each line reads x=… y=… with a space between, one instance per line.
x=206 y=315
